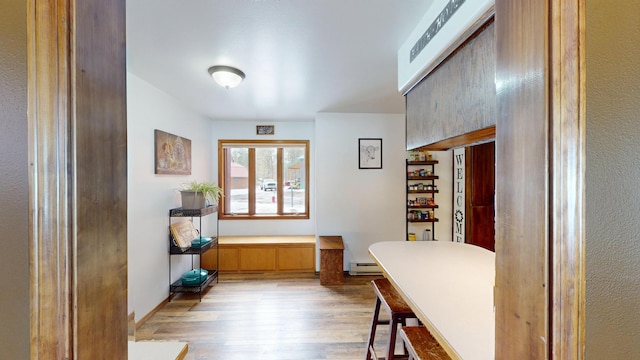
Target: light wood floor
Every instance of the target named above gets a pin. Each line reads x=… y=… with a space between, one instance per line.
x=260 y=316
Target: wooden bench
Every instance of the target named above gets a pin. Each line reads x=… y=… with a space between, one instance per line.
x=421 y=344
x=287 y=253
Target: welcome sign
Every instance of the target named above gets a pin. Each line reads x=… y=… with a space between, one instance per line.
x=459 y=195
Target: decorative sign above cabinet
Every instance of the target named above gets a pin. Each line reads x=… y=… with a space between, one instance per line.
x=433 y=29
x=445 y=26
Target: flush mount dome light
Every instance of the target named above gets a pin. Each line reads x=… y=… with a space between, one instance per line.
x=226 y=76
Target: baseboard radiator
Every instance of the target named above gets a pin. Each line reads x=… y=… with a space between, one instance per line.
x=360 y=268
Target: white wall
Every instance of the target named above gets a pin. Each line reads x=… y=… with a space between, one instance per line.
x=246 y=130
x=363 y=206
x=150 y=196
x=612 y=173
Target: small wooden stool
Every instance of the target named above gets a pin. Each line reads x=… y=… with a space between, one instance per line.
x=421 y=344
x=331 y=260
x=398 y=311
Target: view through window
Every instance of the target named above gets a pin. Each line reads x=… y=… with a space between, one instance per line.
x=264 y=179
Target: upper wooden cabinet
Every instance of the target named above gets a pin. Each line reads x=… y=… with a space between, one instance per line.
x=457 y=98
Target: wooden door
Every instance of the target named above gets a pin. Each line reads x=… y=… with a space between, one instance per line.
x=480 y=202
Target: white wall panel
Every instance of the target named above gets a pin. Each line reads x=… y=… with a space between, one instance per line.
x=150 y=196
x=363 y=206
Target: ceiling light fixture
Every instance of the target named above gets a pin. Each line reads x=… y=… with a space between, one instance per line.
x=226 y=76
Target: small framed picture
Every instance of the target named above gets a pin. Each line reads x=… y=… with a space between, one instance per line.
x=370 y=152
x=265 y=130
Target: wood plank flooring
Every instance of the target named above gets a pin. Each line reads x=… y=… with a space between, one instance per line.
x=270 y=316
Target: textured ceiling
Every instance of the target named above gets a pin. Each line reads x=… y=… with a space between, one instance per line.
x=300 y=56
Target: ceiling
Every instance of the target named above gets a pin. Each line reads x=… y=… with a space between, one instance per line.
x=300 y=57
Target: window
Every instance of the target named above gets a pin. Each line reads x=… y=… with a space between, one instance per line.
x=264 y=179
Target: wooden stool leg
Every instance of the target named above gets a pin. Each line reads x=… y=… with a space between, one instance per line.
x=374 y=324
x=404 y=346
x=393 y=330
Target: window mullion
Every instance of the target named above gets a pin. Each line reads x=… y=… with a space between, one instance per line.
x=280 y=181
x=225 y=181
x=252 y=181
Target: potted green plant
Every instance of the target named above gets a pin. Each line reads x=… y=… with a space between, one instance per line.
x=195 y=194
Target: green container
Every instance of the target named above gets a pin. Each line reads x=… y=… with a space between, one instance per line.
x=200 y=242
x=194 y=277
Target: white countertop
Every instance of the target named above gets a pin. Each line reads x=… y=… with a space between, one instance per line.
x=450 y=288
x=157 y=350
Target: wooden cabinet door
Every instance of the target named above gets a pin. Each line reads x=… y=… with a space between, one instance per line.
x=228 y=259
x=296 y=258
x=258 y=259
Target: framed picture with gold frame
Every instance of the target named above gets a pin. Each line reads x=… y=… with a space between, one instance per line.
x=172 y=154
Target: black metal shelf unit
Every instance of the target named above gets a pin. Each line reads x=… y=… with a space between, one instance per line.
x=420 y=180
x=174 y=249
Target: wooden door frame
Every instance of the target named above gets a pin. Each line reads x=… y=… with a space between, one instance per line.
x=540 y=279
x=77 y=179
x=568 y=111
x=50 y=212
x=51 y=92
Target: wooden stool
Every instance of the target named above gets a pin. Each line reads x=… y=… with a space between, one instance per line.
x=331 y=260
x=398 y=311
x=421 y=344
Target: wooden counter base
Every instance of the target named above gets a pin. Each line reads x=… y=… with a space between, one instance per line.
x=264 y=254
